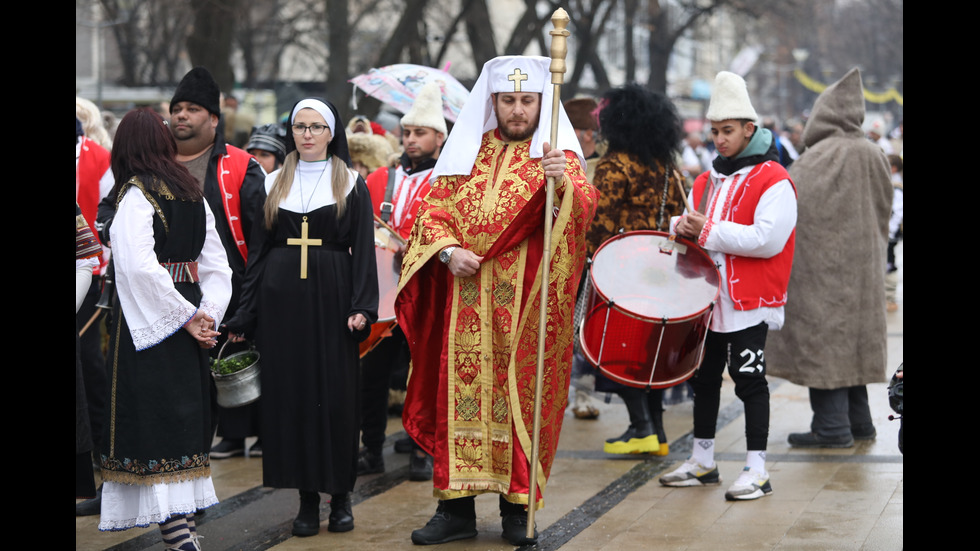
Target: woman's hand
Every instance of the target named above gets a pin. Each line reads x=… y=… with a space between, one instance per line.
x=357 y=322
x=201 y=327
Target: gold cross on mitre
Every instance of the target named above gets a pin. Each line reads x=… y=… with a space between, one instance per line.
x=517 y=77
x=304 y=243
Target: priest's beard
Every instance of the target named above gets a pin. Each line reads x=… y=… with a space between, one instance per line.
x=519 y=136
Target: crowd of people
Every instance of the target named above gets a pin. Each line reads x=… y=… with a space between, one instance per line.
x=275 y=247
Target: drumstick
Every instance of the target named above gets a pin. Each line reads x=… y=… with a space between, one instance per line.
x=394 y=235
x=684 y=195
x=95 y=316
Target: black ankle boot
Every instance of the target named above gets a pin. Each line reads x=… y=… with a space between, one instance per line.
x=307 y=522
x=640 y=437
x=455 y=519
x=514 y=522
x=341 y=515
x=370 y=462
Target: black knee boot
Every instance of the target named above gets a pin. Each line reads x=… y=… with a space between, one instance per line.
x=307 y=522
x=640 y=437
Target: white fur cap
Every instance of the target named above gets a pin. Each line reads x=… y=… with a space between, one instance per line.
x=427 y=109
x=730 y=99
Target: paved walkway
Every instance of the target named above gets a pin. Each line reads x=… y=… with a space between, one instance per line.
x=822 y=499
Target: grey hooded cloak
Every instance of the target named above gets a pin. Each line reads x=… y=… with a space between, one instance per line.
x=834 y=335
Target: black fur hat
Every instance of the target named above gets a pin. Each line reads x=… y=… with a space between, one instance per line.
x=198 y=86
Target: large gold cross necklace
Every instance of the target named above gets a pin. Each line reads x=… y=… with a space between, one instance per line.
x=304 y=241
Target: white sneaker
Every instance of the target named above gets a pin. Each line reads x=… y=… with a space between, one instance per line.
x=751 y=484
x=584 y=407
x=691 y=473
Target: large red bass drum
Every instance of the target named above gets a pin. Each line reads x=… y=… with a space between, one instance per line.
x=649 y=305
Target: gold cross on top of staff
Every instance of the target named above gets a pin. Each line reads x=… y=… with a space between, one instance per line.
x=304 y=243
x=517 y=77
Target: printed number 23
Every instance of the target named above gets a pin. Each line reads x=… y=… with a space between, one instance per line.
x=751 y=365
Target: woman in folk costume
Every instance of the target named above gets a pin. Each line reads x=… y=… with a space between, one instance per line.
x=311 y=295
x=638 y=190
x=87 y=252
x=173 y=285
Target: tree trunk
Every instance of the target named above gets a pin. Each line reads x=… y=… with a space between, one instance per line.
x=338 y=50
x=209 y=44
x=527 y=29
x=480 y=32
x=405 y=33
x=629 y=9
x=659 y=47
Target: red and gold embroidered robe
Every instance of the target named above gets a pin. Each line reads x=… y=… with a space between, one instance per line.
x=473 y=340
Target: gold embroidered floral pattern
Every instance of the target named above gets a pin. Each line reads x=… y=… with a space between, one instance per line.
x=468 y=293
x=469 y=455
x=504 y=293
x=499 y=409
x=153 y=471
x=467 y=408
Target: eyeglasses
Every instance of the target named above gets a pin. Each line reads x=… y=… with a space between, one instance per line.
x=315 y=129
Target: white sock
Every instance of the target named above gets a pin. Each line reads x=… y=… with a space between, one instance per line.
x=704 y=451
x=756 y=460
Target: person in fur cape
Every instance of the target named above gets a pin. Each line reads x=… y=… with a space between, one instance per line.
x=834 y=337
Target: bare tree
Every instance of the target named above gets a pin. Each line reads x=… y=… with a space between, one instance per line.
x=408 y=34
x=209 y=44
x=667 y=28
x=590 y=21
x=150 y=37
x=338 y=49
x=263 y=32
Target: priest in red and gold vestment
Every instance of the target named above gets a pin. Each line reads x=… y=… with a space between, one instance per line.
x=470 y=291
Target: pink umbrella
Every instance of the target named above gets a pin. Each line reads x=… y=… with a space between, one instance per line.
x=397 y=86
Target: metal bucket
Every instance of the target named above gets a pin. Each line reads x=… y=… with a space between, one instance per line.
x=241 y=387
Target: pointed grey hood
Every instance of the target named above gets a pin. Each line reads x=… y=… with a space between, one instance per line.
x=838 y=111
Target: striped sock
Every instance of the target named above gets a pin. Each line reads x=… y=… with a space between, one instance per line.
x=177 y=534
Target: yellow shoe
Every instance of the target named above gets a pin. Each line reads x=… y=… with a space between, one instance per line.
x=663 y=450
x=629 y=445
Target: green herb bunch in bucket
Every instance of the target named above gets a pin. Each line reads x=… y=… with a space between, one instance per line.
x=236 y=377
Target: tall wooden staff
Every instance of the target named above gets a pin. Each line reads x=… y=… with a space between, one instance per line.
x=559 y=49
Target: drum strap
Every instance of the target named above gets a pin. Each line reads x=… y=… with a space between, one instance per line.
x=386 y=206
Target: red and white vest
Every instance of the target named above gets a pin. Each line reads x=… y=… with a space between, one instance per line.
x=416 y=186
x=752 y=282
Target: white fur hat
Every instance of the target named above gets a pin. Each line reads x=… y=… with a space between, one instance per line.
x=730 y=99
x=427 y=109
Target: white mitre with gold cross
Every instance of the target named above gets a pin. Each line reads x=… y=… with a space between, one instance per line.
x=510 y=73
